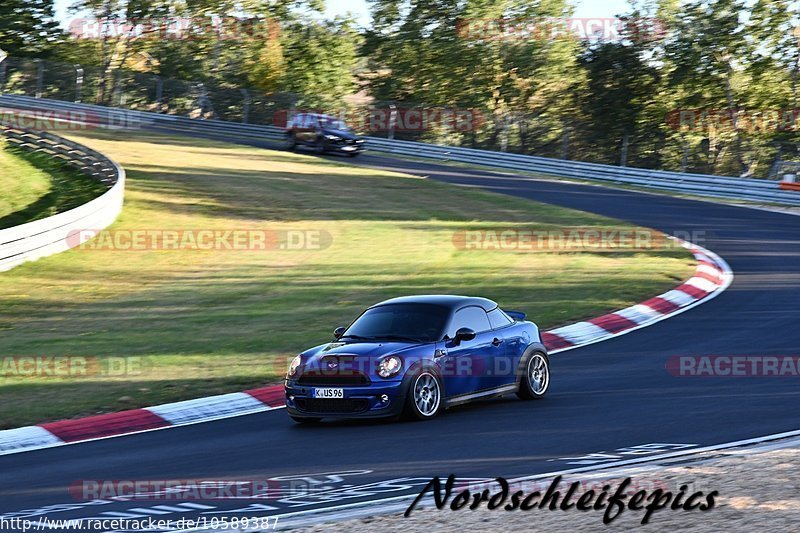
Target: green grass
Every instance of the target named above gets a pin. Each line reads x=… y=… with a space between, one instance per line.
x=207 y=322
x=34 y=187
x=21 y=182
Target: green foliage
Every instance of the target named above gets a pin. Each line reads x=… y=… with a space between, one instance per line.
x=715 y=92
x=27 y=28
x=730 y=61
x=319 y=61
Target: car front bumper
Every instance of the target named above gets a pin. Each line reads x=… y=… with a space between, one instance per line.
x=344 y=147
x=358 y=402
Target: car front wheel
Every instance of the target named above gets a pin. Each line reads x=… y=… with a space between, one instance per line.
x=424 y=398
x=536 y=379
x=290 y=142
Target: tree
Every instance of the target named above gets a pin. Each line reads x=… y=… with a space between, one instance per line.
x=460 y=54
x=620 y=85
x=319 y=60
x=624 y=95
x=27 y=28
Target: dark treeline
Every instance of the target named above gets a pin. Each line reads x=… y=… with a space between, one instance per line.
x=700 y=86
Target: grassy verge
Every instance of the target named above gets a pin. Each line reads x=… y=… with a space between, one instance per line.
x=21 y=182
x=34 y=187
x=205 y=322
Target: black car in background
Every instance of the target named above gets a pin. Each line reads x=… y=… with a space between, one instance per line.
x=323 y=133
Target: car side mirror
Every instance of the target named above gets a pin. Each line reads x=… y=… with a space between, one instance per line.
x=338 y=332
x=464 y=334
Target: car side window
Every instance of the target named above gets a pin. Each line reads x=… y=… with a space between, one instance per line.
x=498 y=319
x=471 y=317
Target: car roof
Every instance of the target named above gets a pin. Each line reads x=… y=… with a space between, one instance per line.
x=313 y=115
x=450 y=301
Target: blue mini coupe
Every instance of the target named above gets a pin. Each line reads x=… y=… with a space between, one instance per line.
x=415 y=356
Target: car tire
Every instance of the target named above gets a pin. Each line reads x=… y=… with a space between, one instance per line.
x=319 y=146
x=305 y=419
x=290 y=143
x=424 y=397
x=535 y=380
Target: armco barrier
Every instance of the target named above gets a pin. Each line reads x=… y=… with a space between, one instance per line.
x=751 y=189
x=47 y=236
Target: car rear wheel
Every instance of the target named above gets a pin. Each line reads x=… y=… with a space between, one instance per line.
x=536 y=379
x=305 y=419
x=424 y=398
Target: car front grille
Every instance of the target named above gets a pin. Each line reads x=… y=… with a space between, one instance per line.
x=332 y=406
x=334 y=380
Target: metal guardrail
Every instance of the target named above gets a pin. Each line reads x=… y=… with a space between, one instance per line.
x=62 y=231
x=751 y=189
x=782 y=169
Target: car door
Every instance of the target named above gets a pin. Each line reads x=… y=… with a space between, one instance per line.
x=305 y=128
x=314 y=129
x=469 y=365
x=512 y=343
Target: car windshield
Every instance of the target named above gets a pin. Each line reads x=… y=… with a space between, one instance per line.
x=403 y=322
x=332 y=123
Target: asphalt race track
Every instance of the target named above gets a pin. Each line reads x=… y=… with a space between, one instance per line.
x=605 y=397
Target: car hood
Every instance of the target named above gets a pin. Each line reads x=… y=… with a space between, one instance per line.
x=359 y=348
x=361 y=356
x=341 y=133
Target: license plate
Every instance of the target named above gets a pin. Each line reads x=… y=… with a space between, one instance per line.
x=348 y=148
x=328 y=393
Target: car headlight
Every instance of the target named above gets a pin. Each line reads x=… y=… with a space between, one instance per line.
x=389 y=366
x=294 y=365
x=332 y=137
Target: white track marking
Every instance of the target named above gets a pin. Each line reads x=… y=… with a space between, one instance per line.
x=206 y=408
x=28 y=437
x=639 y=314
x=727 y=279
x=580 y=332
